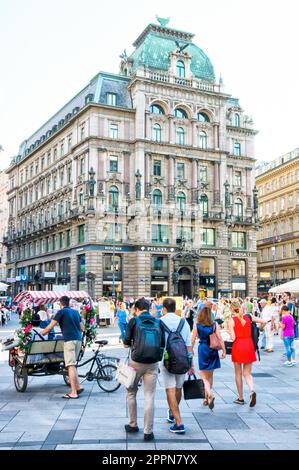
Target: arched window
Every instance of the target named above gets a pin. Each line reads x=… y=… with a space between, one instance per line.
x=239 y=210
x=203 y=117
x=156 y=109
x=181 y=201
x=81 y=197
x=204 y=205
x=157 y=132
x=236 y=120
x=180 y=69
x=113 y=197
x=157 y=199
x=180 y=113
x=203 y=140
x=180 y=136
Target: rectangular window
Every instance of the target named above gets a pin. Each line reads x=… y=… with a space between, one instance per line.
x=111 y=99
x=113 y=232
x=180 y=170
x=82 y=166
x=292 y=250
x=160 y=233
x=157 y=167
x=113 y=131
x=81 y=265
x=69 y=142
x=238 y=268
x=237 y=149
x=203 y=173
x=113 y=164
x=290 y=200
x=160 y=264
x=68 y=238
x=291 y=224
x=81 y=233
x=47 y=245
x=239 y=240
x=284 y=251
x=60 y=240
x=54 y=242
x=108 y=263
x=55 y=153
x=82 y=131
x=208 y=236
x=48 y=159
x=238 y=179
x=62 y=149
x=183 y=232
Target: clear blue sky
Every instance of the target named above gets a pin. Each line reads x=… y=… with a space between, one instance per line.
x=51 y=49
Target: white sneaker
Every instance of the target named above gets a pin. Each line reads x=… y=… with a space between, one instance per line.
x=289 y=364
x=294 y=362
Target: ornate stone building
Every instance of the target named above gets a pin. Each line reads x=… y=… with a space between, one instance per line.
x=143 y=182
x=278 y=241
x=3 y=222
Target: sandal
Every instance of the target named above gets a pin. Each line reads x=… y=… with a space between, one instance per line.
x=67 y=395
x=205 y=403
x=80 y=391
x=211 y=400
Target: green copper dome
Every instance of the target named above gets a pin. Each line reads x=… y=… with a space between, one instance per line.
x=156 y=42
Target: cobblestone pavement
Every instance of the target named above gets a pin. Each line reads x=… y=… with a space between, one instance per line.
x=41 y=419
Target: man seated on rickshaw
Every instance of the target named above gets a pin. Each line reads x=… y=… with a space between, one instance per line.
x=36 y=336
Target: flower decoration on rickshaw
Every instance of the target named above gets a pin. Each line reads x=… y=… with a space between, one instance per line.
x=90 y=327
x=24 y=334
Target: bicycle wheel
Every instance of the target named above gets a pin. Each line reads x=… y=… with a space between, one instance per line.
x=20 y=378
x=106 y=378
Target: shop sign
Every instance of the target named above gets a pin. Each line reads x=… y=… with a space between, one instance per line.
x=239 y=254
x=239 y=286
x=210 y=252
x=11 y=279
x=157 y=249
x=49 y=275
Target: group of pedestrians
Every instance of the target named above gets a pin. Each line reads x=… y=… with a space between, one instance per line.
x=167 y=344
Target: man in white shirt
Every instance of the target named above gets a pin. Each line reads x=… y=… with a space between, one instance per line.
x=174 y=382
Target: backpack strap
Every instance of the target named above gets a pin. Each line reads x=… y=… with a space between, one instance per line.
x=164 y=327
x=181 y=326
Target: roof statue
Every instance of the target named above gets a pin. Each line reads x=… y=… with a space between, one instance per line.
x=163 y=21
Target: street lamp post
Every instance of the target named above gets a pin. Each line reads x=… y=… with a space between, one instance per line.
x=274 y=258
x=113 y=255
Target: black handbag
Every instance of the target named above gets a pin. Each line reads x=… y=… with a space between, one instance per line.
x=193 y=388
x=228 y=347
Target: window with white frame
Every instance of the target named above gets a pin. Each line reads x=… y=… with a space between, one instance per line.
x=111 y=99
x=113 y=131
x=203 y=173
x=157 y=132
x=113 y=164
x=237 y=149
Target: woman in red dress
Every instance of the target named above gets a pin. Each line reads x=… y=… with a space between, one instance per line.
x=243 y=353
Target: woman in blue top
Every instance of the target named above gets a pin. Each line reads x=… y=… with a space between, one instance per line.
x=121 y=315
x=208 y=359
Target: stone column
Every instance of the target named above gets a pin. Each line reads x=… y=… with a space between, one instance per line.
x=148 y=166
x=171 y=130
x=148 y=125
x=216 y=183
x=216 y=136
x=194 y=133
x=194 y=173
x=171 y=170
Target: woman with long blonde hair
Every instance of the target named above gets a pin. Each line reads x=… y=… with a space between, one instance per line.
x=243 y=352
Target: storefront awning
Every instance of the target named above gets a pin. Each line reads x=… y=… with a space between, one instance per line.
x=40 y=297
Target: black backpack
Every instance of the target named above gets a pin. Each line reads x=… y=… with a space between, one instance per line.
x=147 y=346
x=176 y=360
x=255 y=333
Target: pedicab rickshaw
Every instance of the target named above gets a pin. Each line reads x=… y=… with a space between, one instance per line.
x=45 y=357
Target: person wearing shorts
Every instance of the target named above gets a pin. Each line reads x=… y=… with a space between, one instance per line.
x=71 y=326
x=173 y=383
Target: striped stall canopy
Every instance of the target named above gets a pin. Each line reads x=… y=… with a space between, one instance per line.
x=42 y=296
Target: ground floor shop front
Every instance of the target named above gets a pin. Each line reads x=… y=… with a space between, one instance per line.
x=105 y=270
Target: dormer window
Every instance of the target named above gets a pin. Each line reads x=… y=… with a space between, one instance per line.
x=180 y=69
x=203 y=117
x=111 y=99
x=180 y=113
x=236 y=120
x=156 y=109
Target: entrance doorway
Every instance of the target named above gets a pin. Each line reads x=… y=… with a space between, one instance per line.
x=185 y=285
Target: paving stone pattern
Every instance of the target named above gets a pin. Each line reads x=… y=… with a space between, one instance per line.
x=41 y=419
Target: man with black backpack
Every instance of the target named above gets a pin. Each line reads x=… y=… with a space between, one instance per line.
x=177 y=361
x=145 y=337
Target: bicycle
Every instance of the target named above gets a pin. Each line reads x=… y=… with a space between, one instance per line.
x=102 y=369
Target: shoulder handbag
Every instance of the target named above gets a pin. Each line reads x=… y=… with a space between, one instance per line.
x=215 y=342
x=193 y=388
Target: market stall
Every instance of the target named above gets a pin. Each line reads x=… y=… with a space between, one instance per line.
x=48 y=296
x=291 y=286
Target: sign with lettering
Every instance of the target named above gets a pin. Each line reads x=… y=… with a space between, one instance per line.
x=157 y=249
